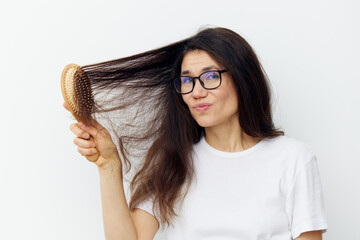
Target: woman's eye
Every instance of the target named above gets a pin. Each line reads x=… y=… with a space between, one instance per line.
x=186 y=80
x=211 y=76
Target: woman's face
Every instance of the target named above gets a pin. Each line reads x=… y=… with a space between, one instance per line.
x=223 y=100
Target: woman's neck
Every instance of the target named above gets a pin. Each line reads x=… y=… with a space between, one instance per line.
x=229 y=137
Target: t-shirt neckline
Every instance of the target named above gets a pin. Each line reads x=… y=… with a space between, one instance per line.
x=231 y=154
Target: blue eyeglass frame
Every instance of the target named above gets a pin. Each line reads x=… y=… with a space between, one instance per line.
x=201 y=82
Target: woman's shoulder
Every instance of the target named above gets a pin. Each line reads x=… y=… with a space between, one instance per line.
x=279 y=147
x=292 y=151
x=292 y=142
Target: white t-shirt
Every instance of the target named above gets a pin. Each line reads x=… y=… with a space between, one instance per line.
x=271 y=191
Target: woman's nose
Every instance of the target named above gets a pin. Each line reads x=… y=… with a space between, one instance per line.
x=198 y=90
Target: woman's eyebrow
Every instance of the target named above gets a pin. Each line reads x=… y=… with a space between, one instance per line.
x=204 y=69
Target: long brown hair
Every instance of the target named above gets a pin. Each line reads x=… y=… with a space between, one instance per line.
x=162 y=122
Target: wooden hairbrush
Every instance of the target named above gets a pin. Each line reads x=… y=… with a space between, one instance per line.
x=77 y=94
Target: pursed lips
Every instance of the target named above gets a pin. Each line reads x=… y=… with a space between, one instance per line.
x=202 y=106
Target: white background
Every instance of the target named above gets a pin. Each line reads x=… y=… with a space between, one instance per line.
x=309 y=49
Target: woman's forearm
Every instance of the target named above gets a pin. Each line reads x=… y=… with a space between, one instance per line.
x=118 y=223
x=311 y=235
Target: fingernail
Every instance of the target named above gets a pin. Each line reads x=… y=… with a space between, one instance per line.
x=81 y=124
x=86 y=135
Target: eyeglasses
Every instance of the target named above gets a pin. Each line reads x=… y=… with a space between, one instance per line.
x=208 y=80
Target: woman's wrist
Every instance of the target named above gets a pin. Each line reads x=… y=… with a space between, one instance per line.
x=113 y=165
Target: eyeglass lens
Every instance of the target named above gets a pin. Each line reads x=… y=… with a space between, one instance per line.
x=210 y=79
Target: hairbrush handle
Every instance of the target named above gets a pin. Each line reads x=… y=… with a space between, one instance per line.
x=76 y=91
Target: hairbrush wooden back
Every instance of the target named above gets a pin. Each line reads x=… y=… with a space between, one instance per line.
x=77 y=94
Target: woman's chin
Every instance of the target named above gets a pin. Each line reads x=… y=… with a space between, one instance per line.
x=204 y=123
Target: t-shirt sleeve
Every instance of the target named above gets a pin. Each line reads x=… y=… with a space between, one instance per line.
x=305 y=202
x=147 y=206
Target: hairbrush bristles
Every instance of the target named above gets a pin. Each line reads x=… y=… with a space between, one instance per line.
x=76 y=90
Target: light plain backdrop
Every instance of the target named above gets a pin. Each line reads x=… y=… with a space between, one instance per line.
x=309 y=49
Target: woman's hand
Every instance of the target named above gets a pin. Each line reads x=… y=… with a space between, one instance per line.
x=100 y=139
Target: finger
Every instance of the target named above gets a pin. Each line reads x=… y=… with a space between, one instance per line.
x=65 y=106
x=96 y=124
x=84 y=143
x=93 y=130
x=87 y=151
x=74 y=127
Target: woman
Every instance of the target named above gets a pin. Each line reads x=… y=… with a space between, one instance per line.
x=217 y=168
